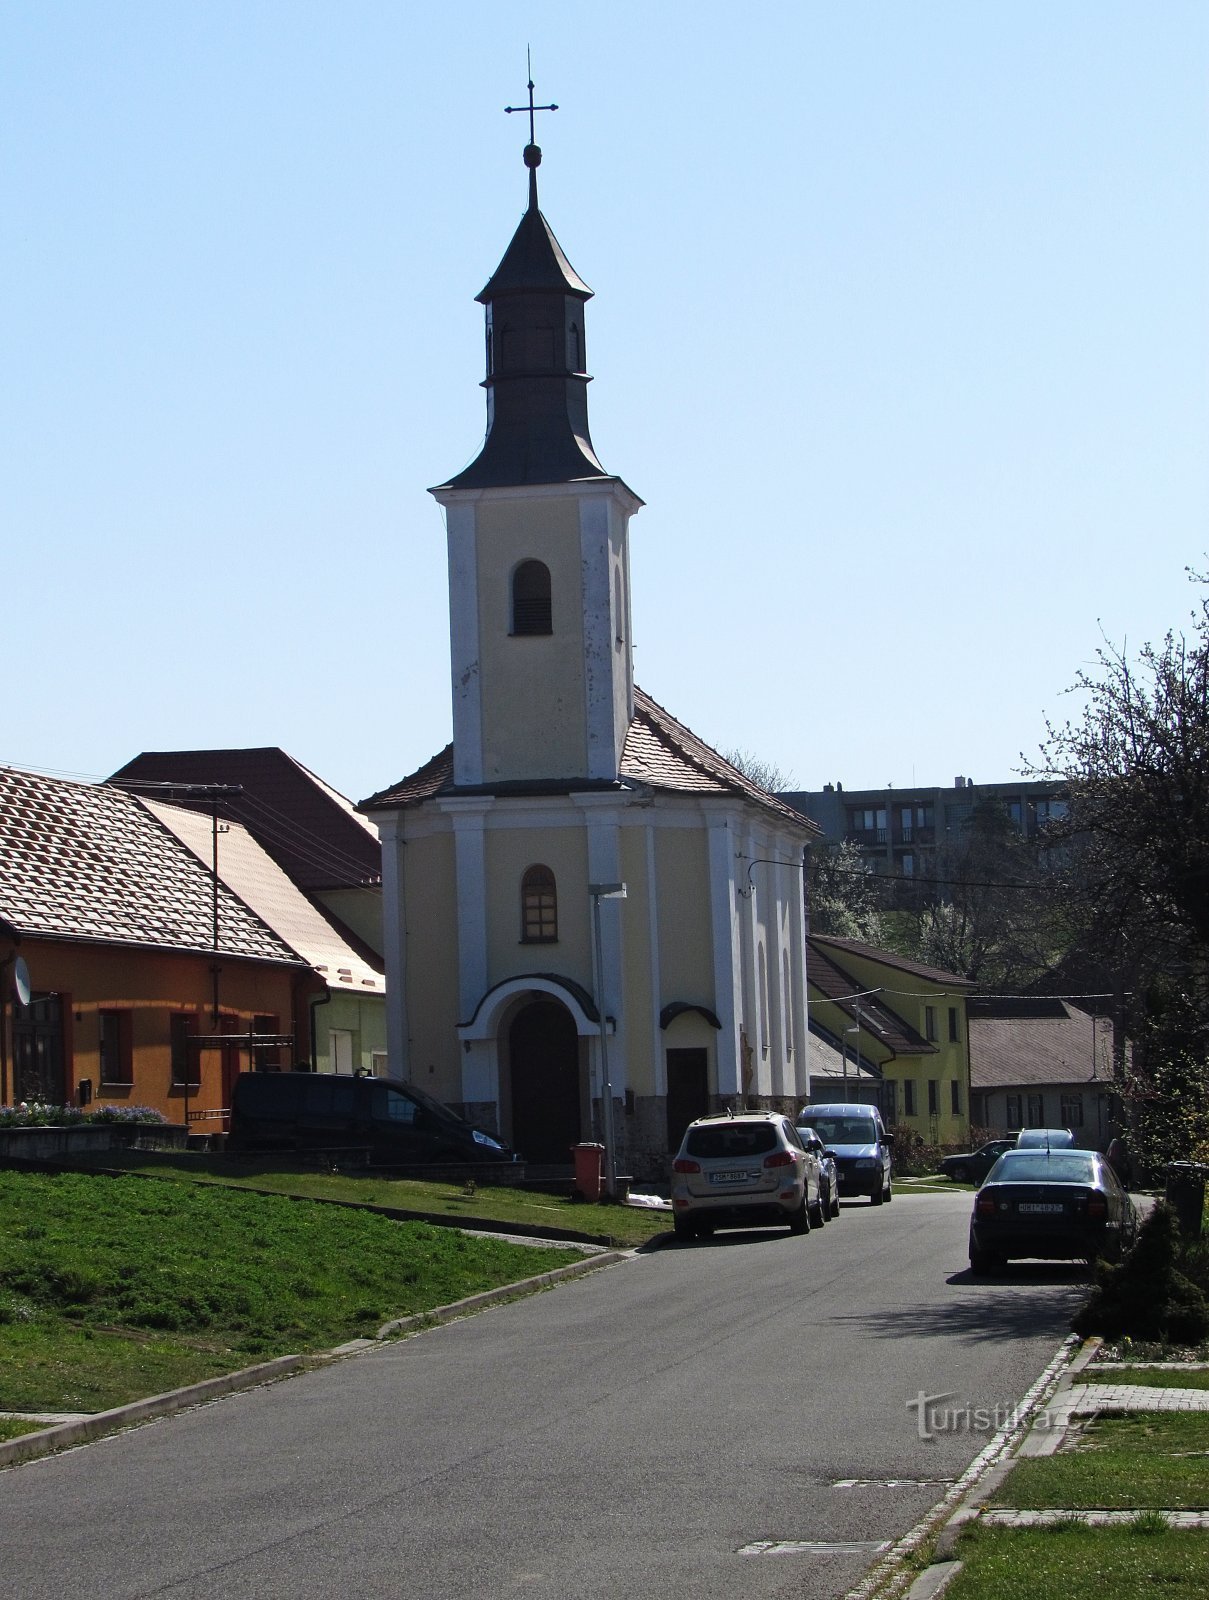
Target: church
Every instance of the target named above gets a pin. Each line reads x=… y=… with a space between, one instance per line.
x=594 y=924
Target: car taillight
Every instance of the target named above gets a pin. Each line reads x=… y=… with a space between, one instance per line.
x=779 y=1158
x=984 y=1206
x=1097 y=1206
x=681 y=1164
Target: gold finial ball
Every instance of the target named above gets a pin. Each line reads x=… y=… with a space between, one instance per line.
x=533 y=155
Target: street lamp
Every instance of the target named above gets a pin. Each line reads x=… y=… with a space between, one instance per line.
x=599 y=892
x=856 y=1056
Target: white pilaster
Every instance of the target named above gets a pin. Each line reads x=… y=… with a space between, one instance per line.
x=724 y=916
x=599 y=655
x=470 y=867
x=464 y=662
x=394 y=943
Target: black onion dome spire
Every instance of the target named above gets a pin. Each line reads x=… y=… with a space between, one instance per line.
x=537 y=382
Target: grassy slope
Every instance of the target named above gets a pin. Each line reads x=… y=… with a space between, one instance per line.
x=198 y=1280
x=621 y=1225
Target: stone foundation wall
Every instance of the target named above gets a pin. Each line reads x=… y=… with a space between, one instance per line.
x=46 y=1144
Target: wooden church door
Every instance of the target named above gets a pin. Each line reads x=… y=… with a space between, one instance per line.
x=543 y=1048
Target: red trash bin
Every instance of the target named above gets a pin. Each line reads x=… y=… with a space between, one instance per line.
x=589 y=1170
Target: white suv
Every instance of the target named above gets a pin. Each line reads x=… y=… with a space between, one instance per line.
x=741 y=1170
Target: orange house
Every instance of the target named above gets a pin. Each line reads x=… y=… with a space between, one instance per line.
x=140 y=962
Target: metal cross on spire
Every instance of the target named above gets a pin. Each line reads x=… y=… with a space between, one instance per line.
x=533 y=155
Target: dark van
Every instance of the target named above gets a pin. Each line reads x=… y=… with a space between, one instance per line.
x=395 y=1121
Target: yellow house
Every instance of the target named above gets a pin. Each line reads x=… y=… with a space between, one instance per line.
x=590 y=917
x=892 y=1031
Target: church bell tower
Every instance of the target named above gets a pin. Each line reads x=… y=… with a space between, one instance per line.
x=539 y=573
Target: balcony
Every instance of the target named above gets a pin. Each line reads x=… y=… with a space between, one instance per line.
x=866 y=836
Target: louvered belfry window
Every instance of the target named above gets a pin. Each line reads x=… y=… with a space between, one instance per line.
x=531 y=610
x=539 y=907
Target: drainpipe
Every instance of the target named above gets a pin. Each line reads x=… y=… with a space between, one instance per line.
x=319 y=1000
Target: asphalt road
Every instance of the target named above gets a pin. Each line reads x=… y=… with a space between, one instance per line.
x=628 y=1434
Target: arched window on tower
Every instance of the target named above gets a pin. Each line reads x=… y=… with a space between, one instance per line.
x=618 y=613
x=531 y=609
x=575 y=349
x=539 y=907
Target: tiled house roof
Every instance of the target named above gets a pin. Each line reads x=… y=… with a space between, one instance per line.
x=310 y=830
x=886 y=958
x=659 y=752
x=834 y=983
x=1029 y=1042
x=88 y=862
x=261 y=884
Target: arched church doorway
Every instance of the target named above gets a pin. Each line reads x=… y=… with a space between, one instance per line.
x=543 y=1049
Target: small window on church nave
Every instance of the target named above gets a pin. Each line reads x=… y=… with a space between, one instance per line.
x=532 y=612
x=539 y=907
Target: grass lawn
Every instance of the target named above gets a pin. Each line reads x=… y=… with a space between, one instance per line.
x=11 y=1429
x=1158 y=1461
x=627 y=1226
x=115 y=1288
x=1147 y=1377
x=1072 y=1563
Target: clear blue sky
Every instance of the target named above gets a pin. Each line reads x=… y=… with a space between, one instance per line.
x=901 y=330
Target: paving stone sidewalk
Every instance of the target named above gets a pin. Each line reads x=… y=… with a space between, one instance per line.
x=1082 y=1398
x=1002 y=1517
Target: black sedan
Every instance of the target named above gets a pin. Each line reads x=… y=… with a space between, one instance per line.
x=974 y=1166
x=1055 y=1204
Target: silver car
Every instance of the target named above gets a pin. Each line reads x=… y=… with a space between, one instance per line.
x=743 y=1170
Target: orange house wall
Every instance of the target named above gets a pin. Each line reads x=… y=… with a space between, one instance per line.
x=152 y=985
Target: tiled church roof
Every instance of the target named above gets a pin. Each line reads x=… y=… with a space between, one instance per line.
x=659 y=752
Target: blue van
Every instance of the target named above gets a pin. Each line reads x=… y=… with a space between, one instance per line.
x=857 y=1137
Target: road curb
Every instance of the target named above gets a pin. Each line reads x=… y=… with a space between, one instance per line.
x=934 y=1580
x=66 y=1435
x=886 y=1577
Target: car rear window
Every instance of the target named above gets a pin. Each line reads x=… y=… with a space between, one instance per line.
x=1040 y=1166
x=731 y=1139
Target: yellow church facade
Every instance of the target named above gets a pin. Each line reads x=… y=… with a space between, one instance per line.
x=577 y=890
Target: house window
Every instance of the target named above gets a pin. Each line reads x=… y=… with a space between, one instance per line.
x=186 y=1063
x=1014 y=1118
x=340 y=1049
x=378 y=1063
x=954 y=1035
x=955 y=1097
x=531 y=608
x=1036 y=1111
x=930 y=1023
x=908 y=1097
x=1072 y=1110
x=906 y=864
x=1049 y=811
x=117 y=1057
x=890 y=1100
x=933 y=1097
x=539 y=907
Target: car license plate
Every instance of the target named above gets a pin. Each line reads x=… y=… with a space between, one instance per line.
x=729 y=1177
x=1043 y=1207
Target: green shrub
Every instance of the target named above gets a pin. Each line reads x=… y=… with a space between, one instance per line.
x=913 y=1156
x=1147 y=1296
